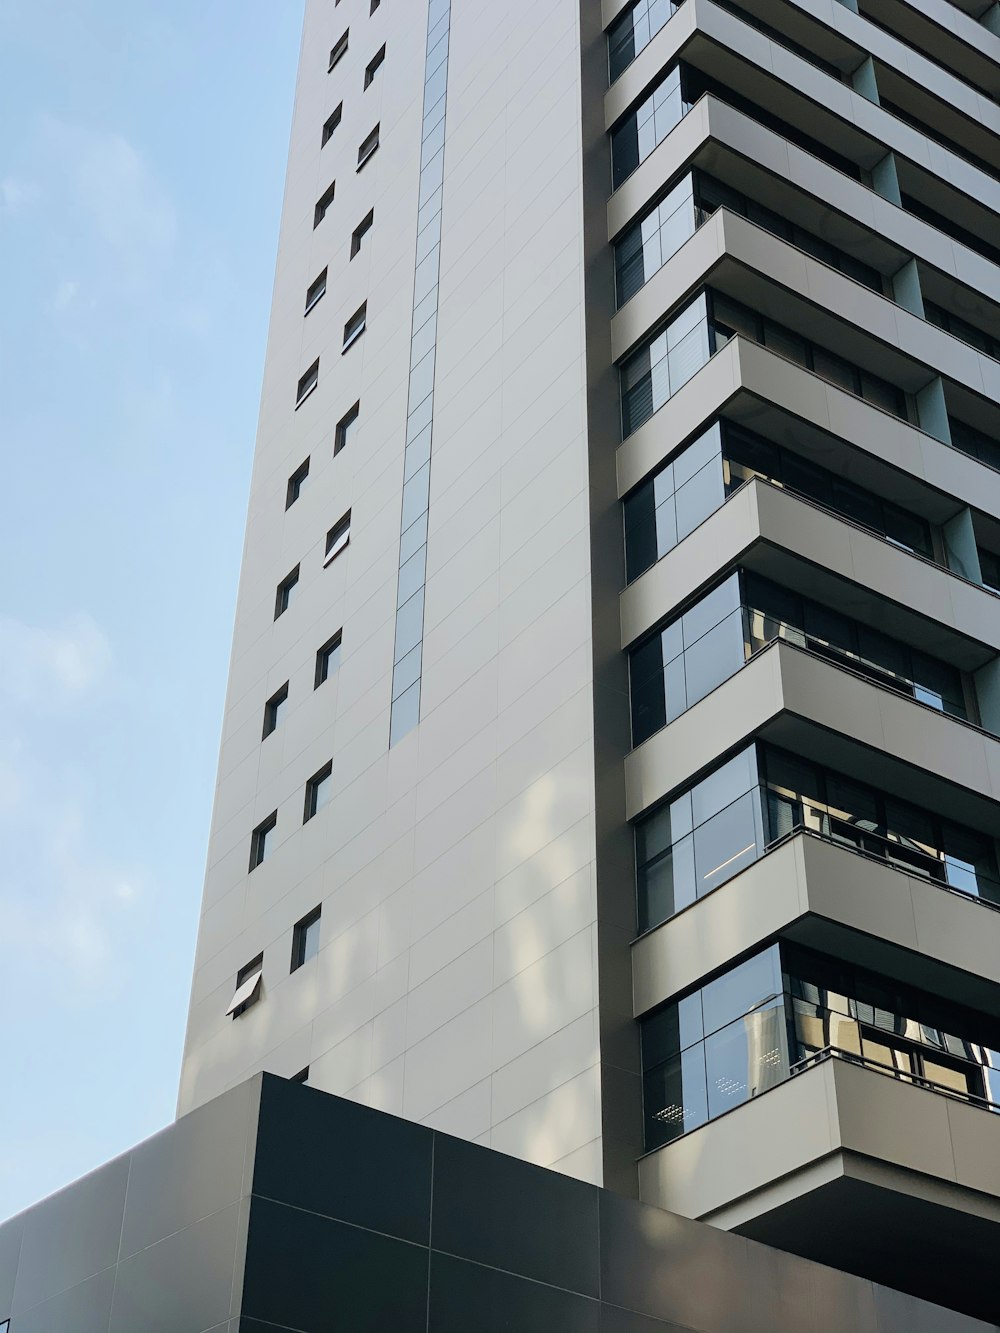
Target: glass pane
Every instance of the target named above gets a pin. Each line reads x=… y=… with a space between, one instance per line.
x=652 y=835
x=725 y=785
x=711 y=609
x=655 y=893
x=834 y=369
x=706 y=448
x=310 y=941
x=882 y=394
x=624 y=151
x=727 y=843
x=675 y=687
x=907 y=530
x=666 y=527
x=674 y=1097
x=621 y=45
x=735 y=317
x=970 y=862
x=746 y=1058
x=964 y=1081
x=807 y=479
x=887 y=1054
x=688 y=356
x=671 y=1029
x=715 y=657
x=675 y=227
x=640 y=531
x=786 y=343
x=856 y=504
x=699 y=497
x=647 y=689
x=750 y=986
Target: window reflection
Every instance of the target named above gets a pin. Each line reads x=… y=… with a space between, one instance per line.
x=697 y=480
x=664 y=364
x=704 y=836
x=656 y=237
x=751 y=1028
x=683 y=662
x=634 y=30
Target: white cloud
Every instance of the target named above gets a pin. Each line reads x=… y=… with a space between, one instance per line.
x=51 y=667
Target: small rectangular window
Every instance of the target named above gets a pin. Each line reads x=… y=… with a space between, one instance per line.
x=346 y=428
x=323 y=204
x=339 y=50
x=372 y=68
x=261 y=840
x=295 y=483
x=272 y=710
x=319 y=791
x=305 y=940
x=360 y=231
x=301 y=1077
x=337 y=539
x=248 y=980
x=368 y=148
x=355 y=327
x=285 y=592
x=307 y=383
x=327 y=659
x=331 y=123
x=316 y=292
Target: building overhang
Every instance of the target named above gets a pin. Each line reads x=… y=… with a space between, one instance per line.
x=851 y=1167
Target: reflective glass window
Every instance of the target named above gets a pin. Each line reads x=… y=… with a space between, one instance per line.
x=632 y=31
x=746 y=1058
x=655 y=238
x=656 y=371
x=700 y=839
x=646 y=127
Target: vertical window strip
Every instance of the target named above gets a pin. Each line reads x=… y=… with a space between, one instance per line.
x=407 y=657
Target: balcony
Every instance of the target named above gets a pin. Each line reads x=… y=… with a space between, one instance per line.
x=833 y=899
x=797 y=700
x=855 y=1166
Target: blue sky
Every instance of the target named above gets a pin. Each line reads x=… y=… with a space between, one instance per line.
x=141 y=168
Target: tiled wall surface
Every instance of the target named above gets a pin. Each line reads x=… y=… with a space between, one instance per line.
x=456 y=983
x=276 y=1207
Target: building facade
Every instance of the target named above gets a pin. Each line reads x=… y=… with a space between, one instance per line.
x=275 y=1208
x=610 y=770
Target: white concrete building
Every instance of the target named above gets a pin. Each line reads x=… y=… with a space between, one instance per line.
x=613 y=726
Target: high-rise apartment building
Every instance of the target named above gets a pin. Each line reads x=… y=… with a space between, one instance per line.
x=610 y=772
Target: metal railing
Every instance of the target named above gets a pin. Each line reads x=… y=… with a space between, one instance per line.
x=900 y=1075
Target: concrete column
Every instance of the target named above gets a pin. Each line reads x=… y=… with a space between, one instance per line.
x=987 y=682
x=852 y=5
x=863 y=79
x=906 y=288
x=960 y=545
x=932 y=411
x=884 y=179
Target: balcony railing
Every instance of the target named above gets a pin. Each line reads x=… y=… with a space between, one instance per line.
x=876 y=1066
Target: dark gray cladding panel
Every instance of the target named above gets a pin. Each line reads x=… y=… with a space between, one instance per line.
x=147 y=1243
x=540 y=1224
x=343 y=1160
x=279 y=1207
